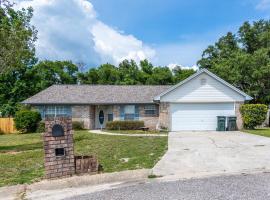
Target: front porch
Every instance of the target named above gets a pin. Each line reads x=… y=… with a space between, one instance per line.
x=93 y=115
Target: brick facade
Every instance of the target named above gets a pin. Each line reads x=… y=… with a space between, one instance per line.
x=82 y=114
x=149 y=120
x=58 y=166
x=239 y=121
x=164 y=115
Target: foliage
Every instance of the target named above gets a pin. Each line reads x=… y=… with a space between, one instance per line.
x=26 y=121
x=253 y=114
x=47 y=73
x=41 y=127
x=243 y=59
x=76 y=125
x=124 y=125
x=129 y=73
x=17 y=37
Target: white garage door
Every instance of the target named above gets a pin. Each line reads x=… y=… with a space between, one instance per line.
x=198 y=116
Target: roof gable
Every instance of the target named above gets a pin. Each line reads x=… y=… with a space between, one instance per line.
x=210 y=74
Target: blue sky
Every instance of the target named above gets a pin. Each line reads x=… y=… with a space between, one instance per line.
x=165 y=32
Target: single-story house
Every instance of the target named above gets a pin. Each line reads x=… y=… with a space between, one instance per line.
x=192 y=104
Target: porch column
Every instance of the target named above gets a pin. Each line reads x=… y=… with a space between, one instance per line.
x=92 y=114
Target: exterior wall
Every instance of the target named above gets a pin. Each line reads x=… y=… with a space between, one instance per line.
x=89 y=116
x=194 y=91
x=82 y=114
x=116 y=112
x=267 y=120
x=164 y=115
x=149 y=121
x=239 y=120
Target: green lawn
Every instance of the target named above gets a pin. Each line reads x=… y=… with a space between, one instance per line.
x=21 y=156
x=262 y=131
x=137 y=131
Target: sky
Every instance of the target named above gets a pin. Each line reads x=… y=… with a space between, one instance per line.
x=167 y=33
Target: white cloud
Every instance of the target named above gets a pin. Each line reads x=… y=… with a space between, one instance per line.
x=173 y=65
x=263 y=5
x=70 y=30
x=111 y=44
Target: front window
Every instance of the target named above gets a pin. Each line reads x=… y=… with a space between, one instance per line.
x=54 y=111
x=129 y=112
x=110 y=113
x=150 y=110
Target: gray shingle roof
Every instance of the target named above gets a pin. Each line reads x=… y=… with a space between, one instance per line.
x=96 y=94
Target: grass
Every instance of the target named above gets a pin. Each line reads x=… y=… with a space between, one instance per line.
x=260 y=131
x=21 y=156
x=137 y=131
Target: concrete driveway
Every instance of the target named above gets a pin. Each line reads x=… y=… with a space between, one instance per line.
x=195 y=154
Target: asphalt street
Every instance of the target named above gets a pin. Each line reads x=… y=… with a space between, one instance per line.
x=236 y=187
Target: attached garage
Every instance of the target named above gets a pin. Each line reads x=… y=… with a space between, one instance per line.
x=195 y=103
x=198 y=116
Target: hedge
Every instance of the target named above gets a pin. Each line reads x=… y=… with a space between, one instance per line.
x=124 y=125
x=253 y=114
x=77 y=125
x=26 y=121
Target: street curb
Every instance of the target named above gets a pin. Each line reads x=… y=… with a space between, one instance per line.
x=12 y=192
x=86 y=180
x=17 y=191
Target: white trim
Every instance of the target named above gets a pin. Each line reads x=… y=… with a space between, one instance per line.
x=247 y=97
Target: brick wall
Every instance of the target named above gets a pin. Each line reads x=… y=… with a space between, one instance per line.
x=239 y=121
x=58 y=166
x=149 y=121
x=82 y=114
x=164 y=115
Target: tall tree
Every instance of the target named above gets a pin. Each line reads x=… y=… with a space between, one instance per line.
x=17 y=56
x=243 y=59
x=47 y=73
x=17 y=38
x=181 y=74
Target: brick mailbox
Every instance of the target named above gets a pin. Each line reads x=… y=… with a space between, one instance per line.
x=58 y=148
x=59 y=151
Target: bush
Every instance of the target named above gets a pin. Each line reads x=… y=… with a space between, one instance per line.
x=41 y=127
x=26 y=121
x=124 y=125
x=76 y=125
x=253 y=114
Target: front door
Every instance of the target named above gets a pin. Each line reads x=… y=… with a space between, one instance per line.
x=100 y=117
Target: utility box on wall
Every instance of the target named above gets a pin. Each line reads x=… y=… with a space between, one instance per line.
x=58 y=147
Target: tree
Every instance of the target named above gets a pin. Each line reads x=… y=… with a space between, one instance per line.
x=243 y=59
x=181 y=74
x=47 y=73
x=90 y=77
x=161 y=76
x=17 y=38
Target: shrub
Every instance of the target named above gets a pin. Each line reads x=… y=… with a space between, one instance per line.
x=26 y=121
x=41 y=127
x=124 y=125
x=77 y=125
x=253 y=114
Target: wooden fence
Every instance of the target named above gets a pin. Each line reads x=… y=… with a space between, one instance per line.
x=7 y=125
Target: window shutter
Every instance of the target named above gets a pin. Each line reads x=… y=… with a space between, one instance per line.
x=122 y=113
x=137 y=112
